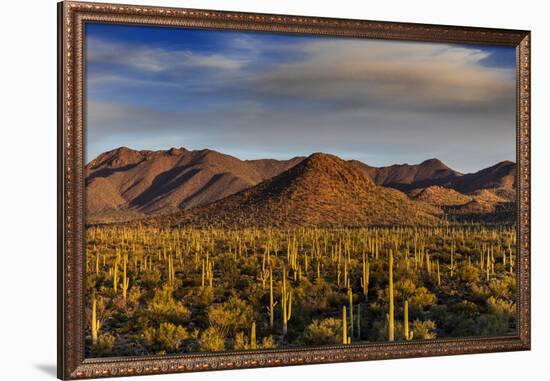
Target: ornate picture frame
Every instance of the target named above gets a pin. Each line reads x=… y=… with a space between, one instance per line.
x=72 y=18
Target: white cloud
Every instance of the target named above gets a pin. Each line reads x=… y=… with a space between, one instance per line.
x=154 y=59
x=382 y=101
x=395 y=74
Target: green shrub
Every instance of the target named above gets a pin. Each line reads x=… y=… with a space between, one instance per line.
x=164 y=308
x=105 y=344
x=166 y=338
x=327 y=331
x=423 y=298
x=468 y=273
x=493 y=325
x=211 y=340
x=241 y=342
x=424 y=330
x=229 y=317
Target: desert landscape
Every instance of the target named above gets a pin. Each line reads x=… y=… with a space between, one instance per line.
x=197 y=250
x=250 y=191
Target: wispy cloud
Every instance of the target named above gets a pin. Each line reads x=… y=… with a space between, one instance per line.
x=155 y=59
x=263 y=95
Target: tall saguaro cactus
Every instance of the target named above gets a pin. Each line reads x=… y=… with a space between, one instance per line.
x=407 y=334
x=365 y=276
x=115 y=276
x=271 y=312
x=96 y=324
x=253 y=336
x=125 y=279
x=286 y=304
x=171 y=270
x=350 y=300
x=391 y=322
x=345 y=339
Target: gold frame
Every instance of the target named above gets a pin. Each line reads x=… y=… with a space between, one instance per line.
x=71 y=19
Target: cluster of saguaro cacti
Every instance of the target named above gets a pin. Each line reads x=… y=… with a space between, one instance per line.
x=339 y=259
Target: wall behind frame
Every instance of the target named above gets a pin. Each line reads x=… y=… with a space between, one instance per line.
x=28 y=187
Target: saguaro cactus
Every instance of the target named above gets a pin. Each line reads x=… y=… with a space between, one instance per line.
x=345 y=339
x=365 y=277
x=358 y=321
x=407 y=334
x=271 y=312
x=391 y=324
x=115 y=276
x=96 y=324
x=171 y=270
x=253 y=336
x=350 y=300
x=202 y=275
x=286 y=304
x=125 y=279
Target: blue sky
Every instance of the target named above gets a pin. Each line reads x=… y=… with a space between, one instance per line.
x=257 y=95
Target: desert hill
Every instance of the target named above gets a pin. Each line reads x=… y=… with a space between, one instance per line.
x=500 y=177
x=407 y=176
x=125 y=184
x=130 y=183
x=437 y=195
x=322 y=190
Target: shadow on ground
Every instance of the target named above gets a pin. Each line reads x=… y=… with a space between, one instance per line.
x=49 y=369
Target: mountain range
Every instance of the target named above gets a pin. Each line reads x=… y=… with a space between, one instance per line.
x=206 y=187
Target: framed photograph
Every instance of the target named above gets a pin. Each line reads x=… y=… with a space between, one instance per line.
x=245 y=190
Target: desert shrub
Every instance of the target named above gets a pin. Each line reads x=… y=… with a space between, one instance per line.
x=501 y=307
x=423 y=298
x=468 y=273
x=166 y=338
x=163 y=307
x=150 y=279
x=227 y=318
x=380 y=330
x=466 y=309
x=465 y=327
x=105 y=344
x=404 y=289
x=313 y=295
x=503 y=288
x=211 y=340
x=493 y=325
x=439 y=314
x=204 y=297
x=424 y=330
x=134 y=296
x=241 y=342
x=268 y=343
x=479 y=291
x=326 y=331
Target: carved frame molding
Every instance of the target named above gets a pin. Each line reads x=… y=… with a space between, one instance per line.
x=72 y=17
